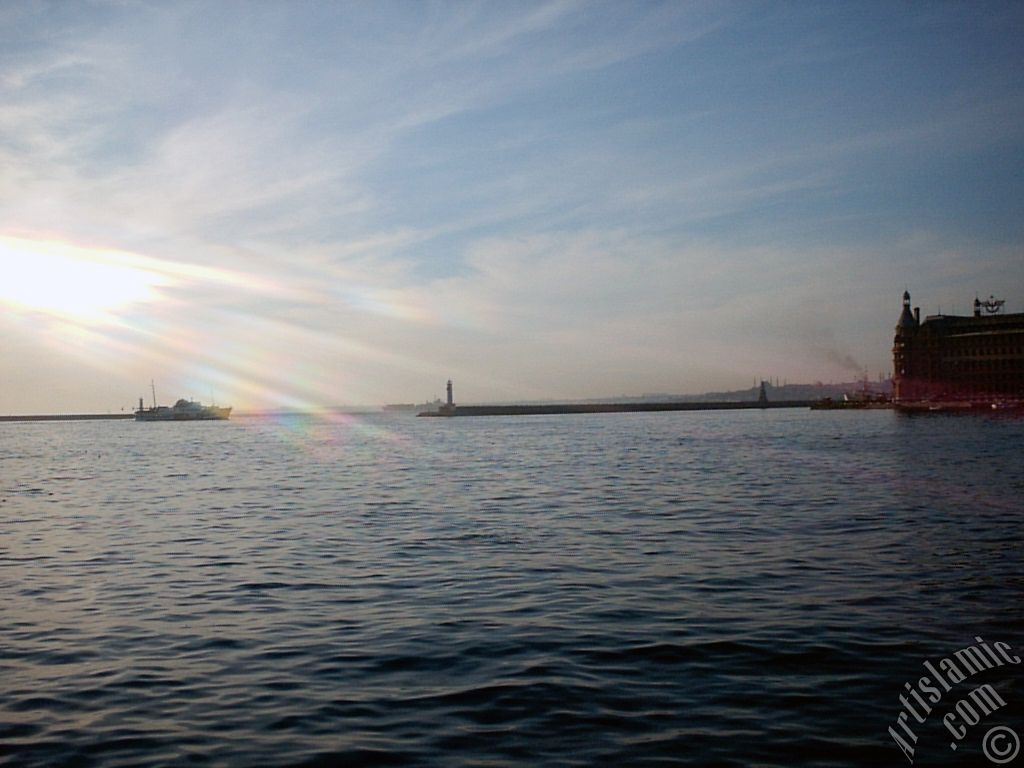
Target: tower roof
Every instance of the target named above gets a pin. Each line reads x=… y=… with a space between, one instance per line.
x=906 y=321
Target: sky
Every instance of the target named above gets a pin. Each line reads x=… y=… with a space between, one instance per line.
x=305 y=204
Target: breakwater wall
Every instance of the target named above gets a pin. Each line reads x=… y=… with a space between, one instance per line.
x=570 y=408
x=70 y=417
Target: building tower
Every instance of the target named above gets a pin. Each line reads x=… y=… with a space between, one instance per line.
x=906 y=328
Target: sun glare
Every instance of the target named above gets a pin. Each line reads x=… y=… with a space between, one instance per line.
x=83 y=285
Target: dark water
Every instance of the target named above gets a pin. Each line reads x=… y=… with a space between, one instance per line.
x=719 y=589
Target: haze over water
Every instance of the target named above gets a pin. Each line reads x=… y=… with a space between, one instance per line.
x=726 y=588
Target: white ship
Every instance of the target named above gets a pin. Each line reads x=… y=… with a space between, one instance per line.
x=183 y=410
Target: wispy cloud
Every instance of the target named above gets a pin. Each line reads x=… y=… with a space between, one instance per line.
x=538 y=198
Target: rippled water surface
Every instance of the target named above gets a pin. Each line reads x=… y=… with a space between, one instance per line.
x=721 y=589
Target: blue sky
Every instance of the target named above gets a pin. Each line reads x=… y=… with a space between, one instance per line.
x=302 y=204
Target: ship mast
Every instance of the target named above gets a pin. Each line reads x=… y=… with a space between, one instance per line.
x=152 y=386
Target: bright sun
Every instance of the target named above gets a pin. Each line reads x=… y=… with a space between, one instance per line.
x=82 y=285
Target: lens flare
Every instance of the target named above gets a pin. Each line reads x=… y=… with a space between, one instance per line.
x=73 y=283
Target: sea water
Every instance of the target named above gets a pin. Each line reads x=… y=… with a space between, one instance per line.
x=703 y=588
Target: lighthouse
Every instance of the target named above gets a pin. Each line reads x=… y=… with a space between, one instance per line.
x=448 y=409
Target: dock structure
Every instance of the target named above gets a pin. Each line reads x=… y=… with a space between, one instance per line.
x=572 y=408
x=69 y=417
x=449 y=409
